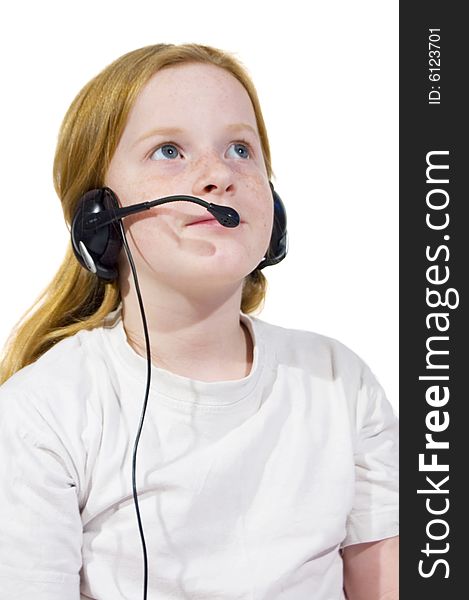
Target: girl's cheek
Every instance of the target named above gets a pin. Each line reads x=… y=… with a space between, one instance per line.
x=167 y=168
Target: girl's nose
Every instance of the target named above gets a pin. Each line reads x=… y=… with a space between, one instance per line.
x=214 y=177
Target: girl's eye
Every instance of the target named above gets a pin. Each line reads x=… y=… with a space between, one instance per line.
x=238 y=150
x=167 y=151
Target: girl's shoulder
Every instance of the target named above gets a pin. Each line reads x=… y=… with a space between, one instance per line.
x=57 y=392
x=67 y=361
x=311 y=350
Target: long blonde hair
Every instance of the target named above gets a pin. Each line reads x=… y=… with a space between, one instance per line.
x=76 y=299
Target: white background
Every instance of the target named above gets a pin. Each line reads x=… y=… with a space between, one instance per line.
x=326 y=74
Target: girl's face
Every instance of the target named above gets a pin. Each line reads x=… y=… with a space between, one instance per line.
x=192 y=130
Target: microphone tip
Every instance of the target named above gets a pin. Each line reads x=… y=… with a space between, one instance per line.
x=225 y=215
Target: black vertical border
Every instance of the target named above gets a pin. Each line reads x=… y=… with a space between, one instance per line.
x=424 y=128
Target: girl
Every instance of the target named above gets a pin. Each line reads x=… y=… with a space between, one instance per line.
x=267 y=461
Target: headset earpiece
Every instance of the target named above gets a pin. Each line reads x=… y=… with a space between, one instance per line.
x=278 y=246
x=98 y=249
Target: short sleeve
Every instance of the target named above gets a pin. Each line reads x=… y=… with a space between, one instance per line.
x=375 y=512
x=40 y=524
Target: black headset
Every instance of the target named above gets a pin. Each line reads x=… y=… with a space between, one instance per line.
x=97 y=239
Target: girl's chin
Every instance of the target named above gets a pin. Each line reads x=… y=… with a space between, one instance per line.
x=212 y=272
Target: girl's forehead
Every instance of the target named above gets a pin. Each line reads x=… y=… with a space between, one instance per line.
x=194 y=83
x=188 y=92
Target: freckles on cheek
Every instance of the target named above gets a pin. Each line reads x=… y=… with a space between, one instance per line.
x=124 y=181
x=149 y=230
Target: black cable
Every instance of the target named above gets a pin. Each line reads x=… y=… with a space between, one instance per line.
x=145 y=402
x=227 y=217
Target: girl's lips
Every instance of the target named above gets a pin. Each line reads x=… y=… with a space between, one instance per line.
x=211 y=221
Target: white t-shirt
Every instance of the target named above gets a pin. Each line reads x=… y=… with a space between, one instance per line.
x=247 y=489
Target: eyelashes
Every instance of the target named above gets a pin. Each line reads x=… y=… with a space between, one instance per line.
x=170 y=151
x=167 y=151
x=239 y=148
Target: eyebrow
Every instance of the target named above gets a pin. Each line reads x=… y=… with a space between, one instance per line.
x=170 y=131
x=238 y=126
x=165 y=131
